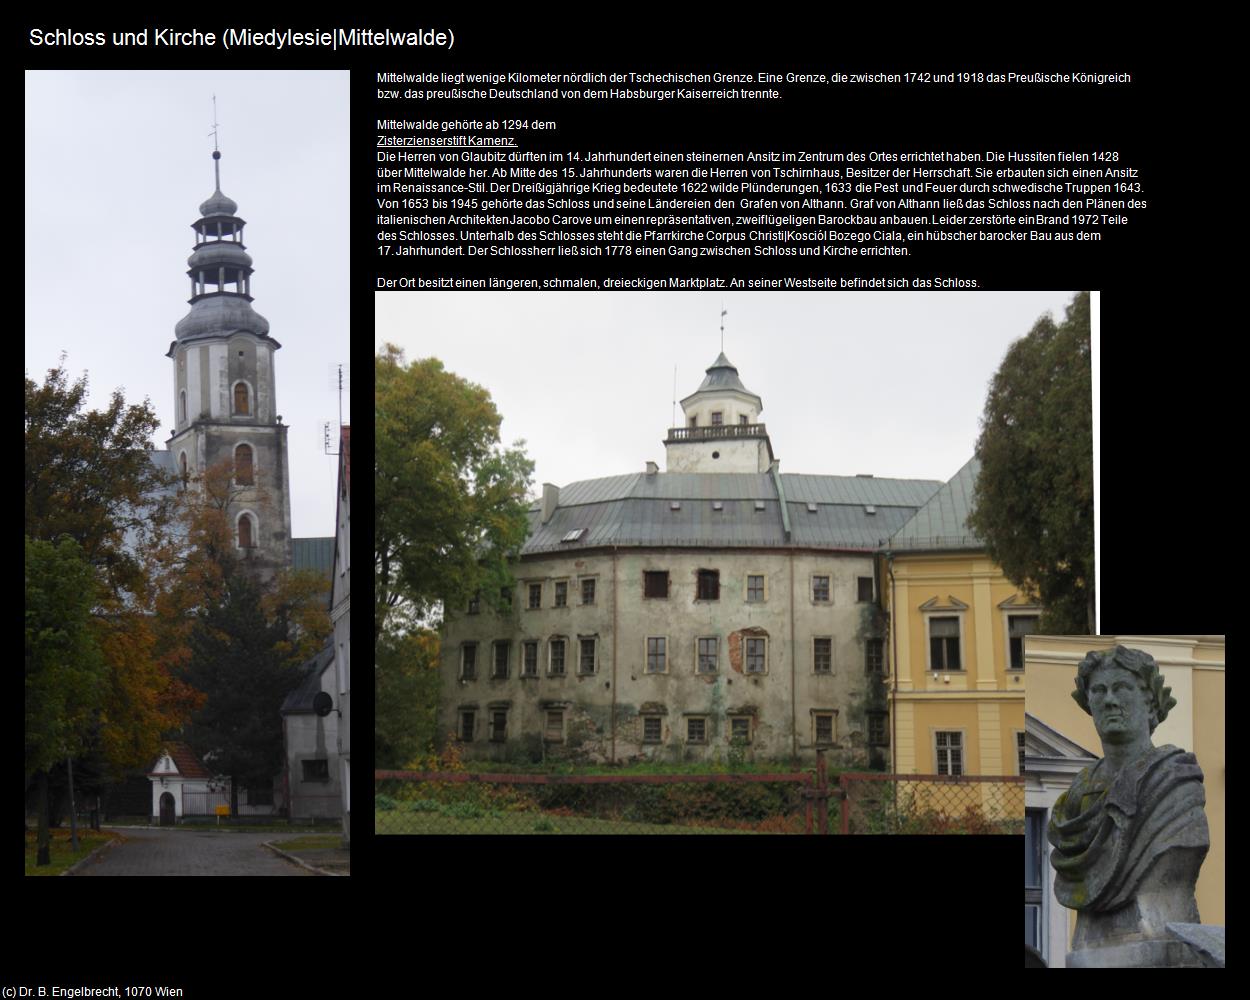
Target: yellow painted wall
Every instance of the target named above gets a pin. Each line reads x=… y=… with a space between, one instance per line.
x=1194 y=668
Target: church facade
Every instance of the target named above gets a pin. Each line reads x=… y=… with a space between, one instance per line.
x=718 y=607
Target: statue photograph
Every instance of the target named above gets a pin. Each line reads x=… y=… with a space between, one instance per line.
x=1129 y=836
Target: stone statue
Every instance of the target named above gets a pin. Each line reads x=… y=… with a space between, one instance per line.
x=1130 y=834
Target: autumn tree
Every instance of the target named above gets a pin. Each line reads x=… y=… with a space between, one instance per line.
x=450 y=503
x=406 y=696
x=1034 y=499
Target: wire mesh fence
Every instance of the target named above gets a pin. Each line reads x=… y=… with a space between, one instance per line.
x=931 y=804
x=451 y=803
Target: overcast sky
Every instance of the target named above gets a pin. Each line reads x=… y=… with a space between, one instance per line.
x=117 y=164
x=891 y=384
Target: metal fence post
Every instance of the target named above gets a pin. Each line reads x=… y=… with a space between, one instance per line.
x=822 y=787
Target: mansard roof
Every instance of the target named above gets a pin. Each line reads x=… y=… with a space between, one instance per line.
x=756 y=510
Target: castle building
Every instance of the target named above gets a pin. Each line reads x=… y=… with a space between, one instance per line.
x=720 y=606
x=225 y=396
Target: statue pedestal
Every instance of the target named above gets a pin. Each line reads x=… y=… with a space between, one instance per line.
x=1137 y=955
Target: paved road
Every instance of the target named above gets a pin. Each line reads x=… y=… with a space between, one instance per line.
x=190 y=852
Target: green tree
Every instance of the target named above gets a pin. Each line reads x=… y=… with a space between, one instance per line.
x=65 y=669
x=406 y=685
x=450 y=504
x=1034 y=500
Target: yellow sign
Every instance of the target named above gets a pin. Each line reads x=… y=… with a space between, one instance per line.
x=223 y=810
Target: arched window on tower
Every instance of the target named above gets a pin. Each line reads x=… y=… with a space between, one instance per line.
x=182 y=467
x=240 y=399
x=246 y=539
x=183 y=400
x=243 y=465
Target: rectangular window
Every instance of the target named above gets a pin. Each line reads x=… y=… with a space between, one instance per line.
x=467 y=719
x=468 y=661
x=822 y=655
x=499 y=725
x=1018 y=626
x=657 y=662
x=820 y=589
x=557 y=657
x=588 y=591
x=1034 y=866
x=824 y=727
x=709 y=585
x=529 y=659
x=652 y=729
x=536 y=595
x=874 y=656
x=950 y=753
x=743 y=419
x=707 y=655
x=755 y=589
x=475 y=605
x=718 y=418
x=944 y=644
x=740 y=729
x=694 y=422
x=756 y=661
x=562 y=593
x=863 y=589
x=499 y=665
x=555 y=726
x=878 y=730
x=1020 y=752
x=586 y=664
x=316 y=770
x=696 y=730
x=655 y=583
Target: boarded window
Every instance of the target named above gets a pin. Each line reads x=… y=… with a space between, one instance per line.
x=820 y=589
x=586 y=664
x=555 y=726
x=755 y=588
x=529 y=659
x=1018 y=626
x=245 y=532
x=709 y=585
x=243 y=465
x=657 y=659
x=240 y=399
x=562 y=593
x=707 y=655
x=655 y=583
x=822 y=655
x=756 y=661
x=944 y=644
x=652 y=729
x=696 y=730
x=557 y=657
x=950 y=753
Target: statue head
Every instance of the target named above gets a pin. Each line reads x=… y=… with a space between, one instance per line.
x=1158 y=699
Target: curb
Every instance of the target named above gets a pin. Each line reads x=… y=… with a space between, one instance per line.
x=303 y=864
x=96 y=853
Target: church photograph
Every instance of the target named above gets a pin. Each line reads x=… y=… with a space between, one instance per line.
x=186 y=246
x=746 y=531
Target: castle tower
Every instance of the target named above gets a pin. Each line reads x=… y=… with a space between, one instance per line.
x=225 y=404
x=722 y=432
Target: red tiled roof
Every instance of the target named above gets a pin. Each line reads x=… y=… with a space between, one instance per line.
x=185 y=760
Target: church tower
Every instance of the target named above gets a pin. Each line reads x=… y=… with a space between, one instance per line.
x=722 y=432
x=225 y=404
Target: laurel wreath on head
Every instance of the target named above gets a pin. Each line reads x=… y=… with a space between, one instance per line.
x=1140 y=663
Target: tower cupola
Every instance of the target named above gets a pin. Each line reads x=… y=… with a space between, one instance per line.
x=722 y=431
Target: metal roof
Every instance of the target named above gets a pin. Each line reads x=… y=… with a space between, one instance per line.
x=942 y=523
x=316 y=554
x=722 y=376
x=637 y=510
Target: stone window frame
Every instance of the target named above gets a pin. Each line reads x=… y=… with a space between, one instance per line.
x=828 y=598
x=816 y=715
x=495 y=646
x=552 y=642
x=581 y=649
x=734 y=720
x=524 y=672
x=707 y=581
x=746 y=655
x=1010 y=611
x=698 y=661
x=832 y=657
x=960 y=745
x=647 y=654
x=647 y=719
x=704 y=723
x=582 y=581
x=184 y=467
x=556 y=602
x=493 y=713
x=234 y=463
x=718 y=418
x=547 y=731
x=471 y=715
x=182 y=398
x=929 y=616
x=532 y=604
x=471 y=674
x=859 y=585
x=873 y=739
x=668 y=584
x=255 y=529
x=251 y=398
x=746 y=589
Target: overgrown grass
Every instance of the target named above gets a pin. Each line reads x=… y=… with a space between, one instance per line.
x=60 y=853
x=405 y=821
x=639 y=767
